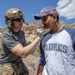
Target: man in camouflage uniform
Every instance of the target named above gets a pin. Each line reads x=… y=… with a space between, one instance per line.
x=14 y=45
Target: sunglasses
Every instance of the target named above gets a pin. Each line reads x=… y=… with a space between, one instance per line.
x=18 y=19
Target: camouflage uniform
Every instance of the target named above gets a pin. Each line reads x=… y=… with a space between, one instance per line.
x=9 y=40
x=13 y=69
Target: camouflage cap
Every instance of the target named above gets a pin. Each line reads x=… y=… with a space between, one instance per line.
x=14 y=13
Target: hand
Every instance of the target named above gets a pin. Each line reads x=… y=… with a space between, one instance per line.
x=40 y=32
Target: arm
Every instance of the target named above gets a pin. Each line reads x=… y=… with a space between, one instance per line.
x=25 y=51
x=40 y=70
x=41 y=61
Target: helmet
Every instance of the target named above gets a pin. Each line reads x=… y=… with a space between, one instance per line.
x=11 y=14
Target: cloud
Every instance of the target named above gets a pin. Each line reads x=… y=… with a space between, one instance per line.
x=66 y=8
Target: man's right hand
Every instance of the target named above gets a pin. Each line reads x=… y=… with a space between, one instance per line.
x=40 y=32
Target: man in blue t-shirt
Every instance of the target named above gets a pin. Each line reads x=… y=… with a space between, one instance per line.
x=14 y=45
x=57 y=47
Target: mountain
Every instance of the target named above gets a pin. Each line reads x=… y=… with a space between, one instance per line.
x=30 y=29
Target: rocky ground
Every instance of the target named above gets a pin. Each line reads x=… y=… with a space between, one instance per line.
x=32 y=63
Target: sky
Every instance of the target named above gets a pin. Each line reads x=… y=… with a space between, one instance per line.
x=65 y=8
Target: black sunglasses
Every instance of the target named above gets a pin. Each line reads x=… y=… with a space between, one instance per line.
x=18 y=19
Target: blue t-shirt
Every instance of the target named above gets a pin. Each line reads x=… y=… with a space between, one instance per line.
x=57 y=52
x=9 y=40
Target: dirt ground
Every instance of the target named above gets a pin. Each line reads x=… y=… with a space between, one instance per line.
x=32 y=63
